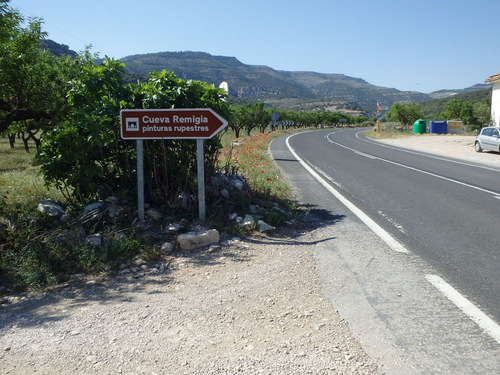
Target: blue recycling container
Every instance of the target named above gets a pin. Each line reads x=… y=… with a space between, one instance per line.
x=438 y=127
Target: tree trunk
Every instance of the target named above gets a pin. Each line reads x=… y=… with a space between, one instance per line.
x=12 y=140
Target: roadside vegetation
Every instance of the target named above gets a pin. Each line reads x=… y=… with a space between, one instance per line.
x=399 y=119
x=473 y=114
x=60 y=142
x=394 y=130
x=33 y=254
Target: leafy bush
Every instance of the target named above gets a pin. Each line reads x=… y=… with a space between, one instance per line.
x=85 y=156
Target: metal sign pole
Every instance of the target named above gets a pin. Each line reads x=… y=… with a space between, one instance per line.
x=200 y=157
x=180 y=123
x=140 y=179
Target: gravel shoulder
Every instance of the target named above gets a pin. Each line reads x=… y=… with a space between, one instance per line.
x=251 y=306
x=455 y=146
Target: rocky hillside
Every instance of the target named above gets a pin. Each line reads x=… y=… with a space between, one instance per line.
x=284 y=89
x=275 y=87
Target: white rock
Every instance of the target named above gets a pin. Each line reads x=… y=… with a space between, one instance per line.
x=154 y=214
x=95 y=239
x=172 y=228
x=254 y=209
x=93 y=206
x=262 y=226
x=237 y=184
x=194 y=240
x=50 y=208
x=224 y=193
x=249 y=220
x=167 y=247
x=115 y=209
x=112 y=199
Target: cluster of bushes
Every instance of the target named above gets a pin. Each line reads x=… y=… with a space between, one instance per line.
x=70 y=105
x=474 y=114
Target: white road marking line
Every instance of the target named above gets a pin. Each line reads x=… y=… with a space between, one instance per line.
x=421 y=153
x=377 y=229
x=495 y=194
x=480 y=318
x=366 y=155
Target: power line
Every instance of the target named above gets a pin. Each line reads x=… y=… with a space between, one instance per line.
x=49 y=23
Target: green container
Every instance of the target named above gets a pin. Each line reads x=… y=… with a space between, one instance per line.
x=419 y=126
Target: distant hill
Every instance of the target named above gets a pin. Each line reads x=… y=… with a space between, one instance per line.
x=447 y=93
x=432 y=107
x=56 y=48
x=285 y=89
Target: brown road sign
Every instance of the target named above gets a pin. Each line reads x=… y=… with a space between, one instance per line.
x=185 y=123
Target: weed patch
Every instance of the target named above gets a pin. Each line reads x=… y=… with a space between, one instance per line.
x=38 y=250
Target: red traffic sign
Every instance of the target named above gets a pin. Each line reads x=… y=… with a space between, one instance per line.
x=185 y=123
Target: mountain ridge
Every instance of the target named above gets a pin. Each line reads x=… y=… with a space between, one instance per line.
x=285 y=89
x=299 y=90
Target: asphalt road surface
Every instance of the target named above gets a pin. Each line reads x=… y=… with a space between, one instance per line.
x=411 y=251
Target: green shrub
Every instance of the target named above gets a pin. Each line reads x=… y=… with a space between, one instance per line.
x=85 y=157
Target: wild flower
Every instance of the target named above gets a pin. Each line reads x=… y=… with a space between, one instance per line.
x=250 y=158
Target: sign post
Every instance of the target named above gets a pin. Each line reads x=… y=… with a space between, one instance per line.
x=378 y=117
x=275 y=116
x=140 y=179
x=200 y=163
x=186 y=123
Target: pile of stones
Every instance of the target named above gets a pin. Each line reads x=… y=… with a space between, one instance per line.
x=179 y=235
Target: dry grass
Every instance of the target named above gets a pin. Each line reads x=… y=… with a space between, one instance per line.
x=21 y=184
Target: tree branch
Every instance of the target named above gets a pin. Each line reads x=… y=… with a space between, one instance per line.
x=21 y=115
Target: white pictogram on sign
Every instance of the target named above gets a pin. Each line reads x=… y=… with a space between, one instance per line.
x=132 y=124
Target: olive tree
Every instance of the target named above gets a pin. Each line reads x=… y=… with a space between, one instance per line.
x=404 y=113
x=33 y=82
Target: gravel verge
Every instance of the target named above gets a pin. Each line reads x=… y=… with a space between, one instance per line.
x=452 y=145
x=250 y=306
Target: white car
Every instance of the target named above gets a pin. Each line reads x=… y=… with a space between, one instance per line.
x=488 y=139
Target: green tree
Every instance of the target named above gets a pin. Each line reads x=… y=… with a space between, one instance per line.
x=248 y=117
x=33 y=83
x=236 y=119
x=467 y=114
x=404 y=113
x=472 y=113
x=482 y=112
x=18 y=52
x=453 y=109
x=85 y=156
x=259 y=118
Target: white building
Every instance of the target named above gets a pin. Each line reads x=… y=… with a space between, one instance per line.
x=495 y=99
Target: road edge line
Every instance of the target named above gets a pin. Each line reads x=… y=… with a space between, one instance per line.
x=377 y=229
x=480 y=318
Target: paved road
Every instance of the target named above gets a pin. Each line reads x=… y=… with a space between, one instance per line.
x=436 y=248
